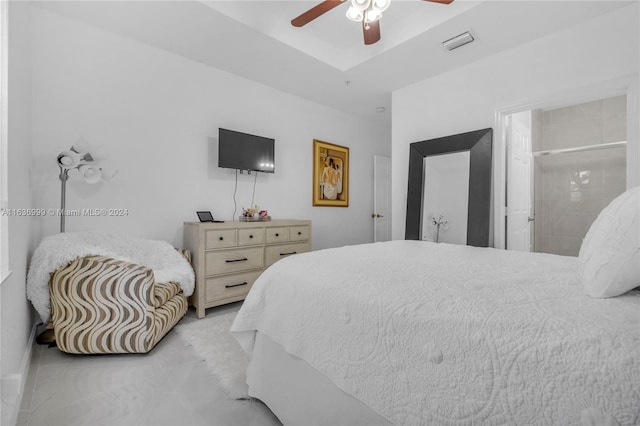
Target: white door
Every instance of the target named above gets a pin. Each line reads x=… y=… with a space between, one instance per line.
x=519 y=215
x=381 y=198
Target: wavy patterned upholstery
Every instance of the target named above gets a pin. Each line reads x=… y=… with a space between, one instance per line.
x=102 y=305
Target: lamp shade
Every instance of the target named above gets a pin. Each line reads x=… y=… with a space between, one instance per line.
x=81 y=146
x=380 y=5
x=90 y=174
x=361 y=4
x=99 y=153
x=372 y=15
x=68 y=159
x=354 y=14
x=108 y=173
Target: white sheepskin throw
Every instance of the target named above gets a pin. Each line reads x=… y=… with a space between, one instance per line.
x=167 y=263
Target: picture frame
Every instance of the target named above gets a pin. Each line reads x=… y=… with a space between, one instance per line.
x=205 y=216
x=330 y=174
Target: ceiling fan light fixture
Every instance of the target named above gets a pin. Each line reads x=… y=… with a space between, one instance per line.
x=380 y=5
x=361 y=4
x=366 y=12
x=372 y=15
x=354 y=14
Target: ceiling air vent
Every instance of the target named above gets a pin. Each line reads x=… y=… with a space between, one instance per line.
x=457 y=41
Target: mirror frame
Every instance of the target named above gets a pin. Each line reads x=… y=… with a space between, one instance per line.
x=479 y=144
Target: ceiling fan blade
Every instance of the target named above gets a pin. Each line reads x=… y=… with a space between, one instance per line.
x=440 y=1
x=315 y=12
x=371 y=32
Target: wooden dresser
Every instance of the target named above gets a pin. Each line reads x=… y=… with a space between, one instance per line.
x=228 y=257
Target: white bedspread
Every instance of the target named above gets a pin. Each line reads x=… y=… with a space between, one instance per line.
x=429 y=333
x=57 y=250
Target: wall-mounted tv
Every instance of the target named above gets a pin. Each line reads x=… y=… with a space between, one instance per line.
x=237 y=150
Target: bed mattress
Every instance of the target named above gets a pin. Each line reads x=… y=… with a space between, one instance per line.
x=426 y=333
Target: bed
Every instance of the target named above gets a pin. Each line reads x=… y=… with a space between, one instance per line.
x=412 y=332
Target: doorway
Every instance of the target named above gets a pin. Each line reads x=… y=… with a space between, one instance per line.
x=564 y=165
x=381 y=198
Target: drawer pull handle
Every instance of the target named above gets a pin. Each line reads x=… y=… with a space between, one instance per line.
x=250 y=236
x=277 y=235
x=299 y=233
x=221 y=238
x=244 y=259
x=235 y=285
x=287 y=254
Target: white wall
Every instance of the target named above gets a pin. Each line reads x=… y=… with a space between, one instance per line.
x=159 y=114
x=17 y=315
x=467 y=98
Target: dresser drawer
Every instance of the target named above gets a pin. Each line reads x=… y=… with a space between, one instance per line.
x=228 y=261
x=220 y=238
x=228 y=286
x=299 y=233
x=250 y=237
x=277 y=235
x=274 y=253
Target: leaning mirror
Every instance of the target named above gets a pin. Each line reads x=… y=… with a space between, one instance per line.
x=445 y=202
x=449 y=189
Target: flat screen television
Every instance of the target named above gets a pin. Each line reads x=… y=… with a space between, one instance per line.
x=237 y=150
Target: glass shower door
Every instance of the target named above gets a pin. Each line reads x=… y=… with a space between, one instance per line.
x=579 y=166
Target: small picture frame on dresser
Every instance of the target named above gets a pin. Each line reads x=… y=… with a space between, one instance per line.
x=207 y=217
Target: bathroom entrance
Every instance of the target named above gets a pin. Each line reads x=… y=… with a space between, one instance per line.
x=564 y=165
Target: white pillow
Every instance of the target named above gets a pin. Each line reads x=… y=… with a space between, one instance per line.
x=609 y=259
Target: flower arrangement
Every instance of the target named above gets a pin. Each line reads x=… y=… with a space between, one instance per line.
x=439 y=223
x=254 y=213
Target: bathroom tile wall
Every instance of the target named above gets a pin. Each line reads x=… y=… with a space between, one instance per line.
x=570 y=189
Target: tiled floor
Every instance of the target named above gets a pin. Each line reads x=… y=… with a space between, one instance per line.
x=168 y=386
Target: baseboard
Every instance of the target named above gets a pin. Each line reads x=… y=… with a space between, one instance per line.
x=13 y=384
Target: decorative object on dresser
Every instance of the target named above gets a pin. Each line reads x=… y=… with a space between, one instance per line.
x=254 y=214
x=78 y=157
x=229 y=257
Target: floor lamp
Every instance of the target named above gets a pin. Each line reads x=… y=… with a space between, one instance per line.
x=78 y=157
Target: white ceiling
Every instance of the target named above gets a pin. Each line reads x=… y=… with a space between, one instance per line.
x=332 y=38
x=254 y=39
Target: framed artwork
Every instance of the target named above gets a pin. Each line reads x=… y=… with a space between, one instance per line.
x=330 y=174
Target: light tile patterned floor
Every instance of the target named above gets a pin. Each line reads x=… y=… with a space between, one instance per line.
x=168 y=386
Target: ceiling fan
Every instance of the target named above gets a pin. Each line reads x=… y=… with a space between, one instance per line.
x=368 y=12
